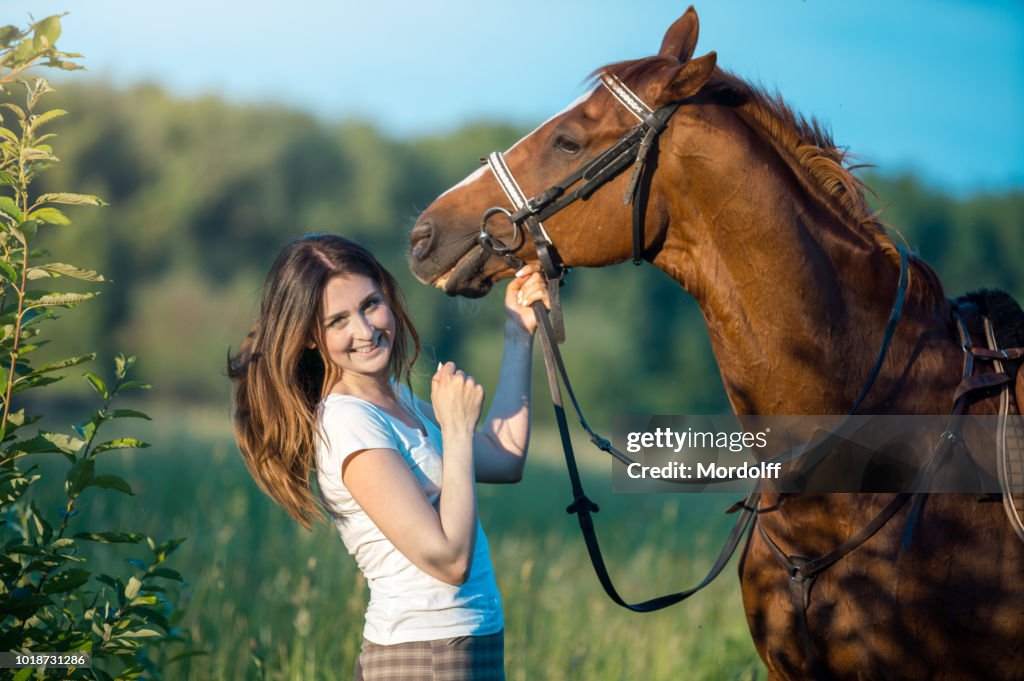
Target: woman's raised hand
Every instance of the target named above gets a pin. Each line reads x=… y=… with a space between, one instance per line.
x=527 y=288
x=457 y=400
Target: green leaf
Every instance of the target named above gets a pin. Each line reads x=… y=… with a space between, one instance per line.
x=43 y=529
x=13 y=486
x=61 y=299
x=24 y=606
x=24 y=674
x=8 y=34
x=127 y=413
x=166 y=548
x=34 y=382
x=65 y=270
x=36 y=445
x=25 y=231
x=97 y=384
x=112 y=482
x=49 y=29
x=65 y=363
x=71 y=199
x=132 y=589
x=36 y=122
x=131 y=385
x=14 y=108
x=10 y=208
x=5 y=177
x=24 y=550
x=79 y=476
x=25 y=51
x=64 y=443
x=141 y=633
x=40 y=153
x=123 y=364
x=139 y=608
x=120 y=443
x=167 y=573
x=67 y=580
x=9 y=272
x=49 y=215
x=110 y=537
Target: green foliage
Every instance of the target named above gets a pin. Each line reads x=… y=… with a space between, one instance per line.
x=51 y=600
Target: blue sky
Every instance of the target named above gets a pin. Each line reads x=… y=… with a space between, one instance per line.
x=931 y=86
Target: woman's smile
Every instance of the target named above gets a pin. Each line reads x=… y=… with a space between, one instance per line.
x=372 y=349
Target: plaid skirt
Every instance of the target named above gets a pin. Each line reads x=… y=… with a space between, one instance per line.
x=465 y=658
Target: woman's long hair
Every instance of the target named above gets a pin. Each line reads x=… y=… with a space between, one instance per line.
x=279 y=380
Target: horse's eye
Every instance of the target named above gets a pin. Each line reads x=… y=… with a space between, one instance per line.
x=566 y=144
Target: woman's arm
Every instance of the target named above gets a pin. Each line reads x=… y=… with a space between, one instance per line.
x=440 y=542
x=500 y=445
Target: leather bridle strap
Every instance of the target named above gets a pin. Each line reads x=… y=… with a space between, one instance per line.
x=583 y=507
x=551 y=264
x=633 y=148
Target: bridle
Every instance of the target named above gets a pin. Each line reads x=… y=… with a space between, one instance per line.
x=633 y=148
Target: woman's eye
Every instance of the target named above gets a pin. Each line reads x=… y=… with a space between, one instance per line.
x=566 y=144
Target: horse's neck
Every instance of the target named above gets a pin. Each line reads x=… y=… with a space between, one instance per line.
x=795 y=303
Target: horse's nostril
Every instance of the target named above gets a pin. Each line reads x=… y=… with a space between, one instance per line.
x=421 y=239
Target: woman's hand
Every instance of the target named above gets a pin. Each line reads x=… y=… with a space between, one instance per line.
x=457 y=400
x=527 y=288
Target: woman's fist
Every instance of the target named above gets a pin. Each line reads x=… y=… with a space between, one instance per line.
x=527 y=288
x=457 y=400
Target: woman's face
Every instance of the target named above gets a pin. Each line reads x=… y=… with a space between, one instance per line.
x=358 y=327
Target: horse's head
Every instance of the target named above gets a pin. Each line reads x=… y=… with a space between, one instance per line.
x=444 y=248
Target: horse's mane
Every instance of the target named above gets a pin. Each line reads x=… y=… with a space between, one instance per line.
x=826 y=168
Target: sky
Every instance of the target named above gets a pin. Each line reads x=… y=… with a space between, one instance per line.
x=934 y=87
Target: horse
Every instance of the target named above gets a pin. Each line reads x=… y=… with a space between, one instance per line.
x=752 y=209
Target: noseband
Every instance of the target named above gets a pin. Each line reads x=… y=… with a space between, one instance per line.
x=528 y=215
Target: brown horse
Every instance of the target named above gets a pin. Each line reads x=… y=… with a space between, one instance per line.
x=750 y=208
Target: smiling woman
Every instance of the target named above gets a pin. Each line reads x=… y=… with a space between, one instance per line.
x=317 y=391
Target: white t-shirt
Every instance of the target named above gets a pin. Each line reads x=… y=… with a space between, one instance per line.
x=406 y=604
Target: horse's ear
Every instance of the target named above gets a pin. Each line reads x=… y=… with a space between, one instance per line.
x=681 y=37
x=687 y=80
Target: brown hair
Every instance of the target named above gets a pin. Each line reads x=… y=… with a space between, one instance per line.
x=279 y=380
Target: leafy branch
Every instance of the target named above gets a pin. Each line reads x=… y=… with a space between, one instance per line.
x=50 y=600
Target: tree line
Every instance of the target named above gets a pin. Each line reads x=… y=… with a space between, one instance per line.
x=203 y=193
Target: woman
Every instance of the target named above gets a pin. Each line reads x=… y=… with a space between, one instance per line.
x=318 y=387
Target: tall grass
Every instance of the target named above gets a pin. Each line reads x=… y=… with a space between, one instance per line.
x=269 y=600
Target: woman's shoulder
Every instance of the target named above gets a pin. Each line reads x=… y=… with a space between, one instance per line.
x=346 y=413
x=340 y=405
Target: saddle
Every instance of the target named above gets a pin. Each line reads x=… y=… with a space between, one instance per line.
x=1003 y=323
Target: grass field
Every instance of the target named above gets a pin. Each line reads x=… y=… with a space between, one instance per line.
x=269 y=600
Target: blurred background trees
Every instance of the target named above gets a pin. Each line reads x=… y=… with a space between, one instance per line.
x=203 y=193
